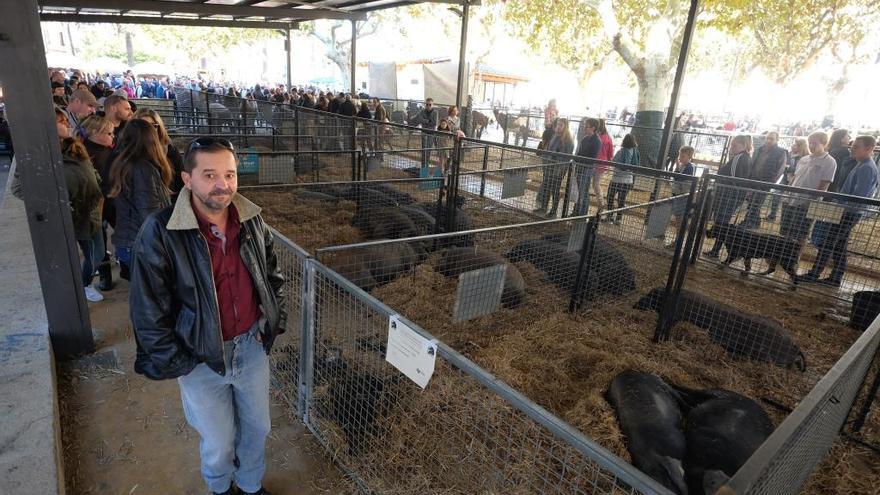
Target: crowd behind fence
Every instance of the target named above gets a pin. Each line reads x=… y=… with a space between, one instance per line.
x=658 y=239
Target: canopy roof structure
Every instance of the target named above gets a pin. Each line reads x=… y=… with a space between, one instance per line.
x=266 y=14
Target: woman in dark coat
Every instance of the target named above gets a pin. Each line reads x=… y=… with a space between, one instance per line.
x=140 y=178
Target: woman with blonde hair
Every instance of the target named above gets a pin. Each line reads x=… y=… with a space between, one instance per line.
x=98 y=142
x=728 y=199
x=153 y=118
x=558 y=149
x=139 y=185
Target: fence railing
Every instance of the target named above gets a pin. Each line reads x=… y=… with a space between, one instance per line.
x=358 y=408
x=788 y=457
x=479 y=434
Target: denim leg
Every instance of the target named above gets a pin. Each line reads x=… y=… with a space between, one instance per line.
x=209 y=408
x=250 y=381
x=87 y=247
x=584 y=191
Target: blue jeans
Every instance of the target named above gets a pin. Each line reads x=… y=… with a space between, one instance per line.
x=583 y=175
x=93 y=254
x=231 y=414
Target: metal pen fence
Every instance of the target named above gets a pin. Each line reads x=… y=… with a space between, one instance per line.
x=292 y=167
x=467 y=433
x=328 y=213
x=539 y=183
x=284 y=360
x=788 y=457
x=273 y=142
x=356 y=415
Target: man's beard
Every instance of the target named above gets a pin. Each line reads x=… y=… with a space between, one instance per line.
x=214 y=204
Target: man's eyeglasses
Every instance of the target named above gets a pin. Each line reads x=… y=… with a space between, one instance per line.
x=207 y=142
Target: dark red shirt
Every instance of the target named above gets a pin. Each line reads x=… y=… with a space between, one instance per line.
x=236 y=296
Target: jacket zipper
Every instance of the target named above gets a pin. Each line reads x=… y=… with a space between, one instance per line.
x=216 y=301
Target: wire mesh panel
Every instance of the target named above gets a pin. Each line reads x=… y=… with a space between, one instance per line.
x=516 y=194
x=786 y=460
x=329 y=213
x=284 y=358
x=255 y=142
x=465 y=433
x=292 y=167
x=823 y=245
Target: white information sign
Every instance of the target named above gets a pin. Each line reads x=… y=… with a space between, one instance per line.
x=409 y=352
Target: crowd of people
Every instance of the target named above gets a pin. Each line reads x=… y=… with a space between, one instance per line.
x=836 y=163
x=119 y=167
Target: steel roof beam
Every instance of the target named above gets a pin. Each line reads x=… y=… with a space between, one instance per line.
x=166 y=21
x=166 y=7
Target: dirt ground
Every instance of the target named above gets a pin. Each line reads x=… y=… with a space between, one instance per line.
x=579 y=355
x=126 y=435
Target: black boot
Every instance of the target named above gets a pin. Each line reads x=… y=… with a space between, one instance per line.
x=124 y=272
x=105 y=273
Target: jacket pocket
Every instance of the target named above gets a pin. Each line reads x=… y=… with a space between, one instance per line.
x=183 y=328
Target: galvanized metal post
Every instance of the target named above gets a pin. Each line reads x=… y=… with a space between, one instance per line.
x=462 y=55
x=40 y=167
x=677 y=270
x=354 y=37
x=669 y=126
x=307 y=341
x=485 y=170
x=287 y=49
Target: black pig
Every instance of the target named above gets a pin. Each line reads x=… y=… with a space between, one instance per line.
x=651 y=420
x=739 y=333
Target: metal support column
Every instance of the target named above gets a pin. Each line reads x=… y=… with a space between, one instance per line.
x=40 y=167
x=288 y=50
x=354 y=37
x=462 y=55
x=669 y=126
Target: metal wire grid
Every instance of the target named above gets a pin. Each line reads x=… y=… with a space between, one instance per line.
x=514 y=273
x=293 y=167
x=379 y=209
x=373 y=470
x=632 y=253
x=466 y=433
x=256 y=142
x=552 y=189
x=285 y=356
x=787 y=458
x=829 y=243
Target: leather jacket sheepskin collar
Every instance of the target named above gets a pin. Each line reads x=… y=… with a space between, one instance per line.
x=172 y=300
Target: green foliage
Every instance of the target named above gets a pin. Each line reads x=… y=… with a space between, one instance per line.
x=197 y=42
x=151 y=43
x=781 y=38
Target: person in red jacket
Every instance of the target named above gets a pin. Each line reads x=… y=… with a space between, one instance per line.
x=606 y=154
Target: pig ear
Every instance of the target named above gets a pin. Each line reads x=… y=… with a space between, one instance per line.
x=713 y=480
x=675 y=472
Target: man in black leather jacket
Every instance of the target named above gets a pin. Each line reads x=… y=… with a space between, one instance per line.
x=205 y=303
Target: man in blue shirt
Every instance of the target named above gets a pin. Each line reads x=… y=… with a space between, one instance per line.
x=861 y=182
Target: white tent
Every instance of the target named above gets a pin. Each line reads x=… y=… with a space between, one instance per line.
x=152 y=69
x=63 y=61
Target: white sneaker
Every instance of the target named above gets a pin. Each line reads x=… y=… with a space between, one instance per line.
x=93 y=294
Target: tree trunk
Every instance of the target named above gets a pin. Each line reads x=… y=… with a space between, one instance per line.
x=129 y=49
x=654 y=89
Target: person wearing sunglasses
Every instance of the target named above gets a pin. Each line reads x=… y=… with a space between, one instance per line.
x=205 y=304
